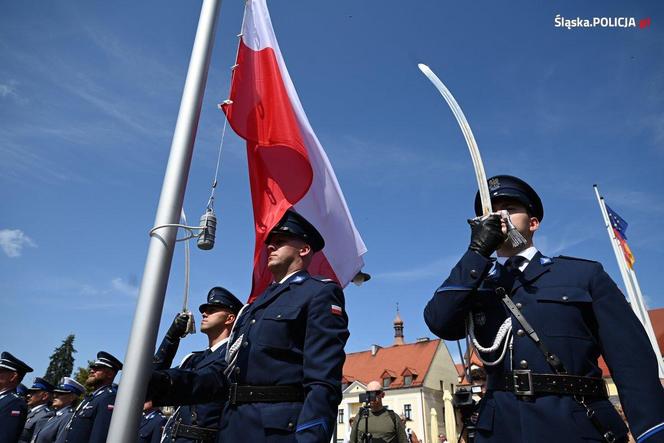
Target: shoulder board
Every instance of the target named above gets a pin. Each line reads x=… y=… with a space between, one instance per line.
x=566 y=257
x=299 y=279
x=322 y=279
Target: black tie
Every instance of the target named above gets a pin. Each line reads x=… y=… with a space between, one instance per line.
x=513 y=264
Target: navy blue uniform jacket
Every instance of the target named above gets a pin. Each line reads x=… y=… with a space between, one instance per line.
x=13 y=412
x=92 y=417
x=54 y=426
x=152 y=423
x=206 y=415
x=292 y=334
x=579 y=314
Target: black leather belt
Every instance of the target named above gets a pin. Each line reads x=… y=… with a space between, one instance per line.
x=524 y=383
x=238 y=394
x=194 y=432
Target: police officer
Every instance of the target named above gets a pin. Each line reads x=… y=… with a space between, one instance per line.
x=22 y=391
x=39 y=399
x=152 y=424
x=64 y=402
x=13 y=409
x=542 y=323
x=283 y=373
x=90 y=421
x=199 y=422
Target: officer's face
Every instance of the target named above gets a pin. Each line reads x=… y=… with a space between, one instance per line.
x=36 y=398
x=523 y=222
x=285 y=250
x=216 y=318
x=7 y=378
x=100 y=376
x=61 y=400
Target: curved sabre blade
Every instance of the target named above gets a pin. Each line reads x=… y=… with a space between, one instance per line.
x=467 y=133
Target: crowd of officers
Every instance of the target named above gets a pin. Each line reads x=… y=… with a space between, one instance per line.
x=273 y=368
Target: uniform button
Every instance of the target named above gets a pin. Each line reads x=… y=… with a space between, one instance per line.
x=245 y=344
x=500 y=291
x=474 y=273
x=237 y=370
x=253 y=320
x=565 y=298
x=520 y=332
x=523 y=364
x=519 y=305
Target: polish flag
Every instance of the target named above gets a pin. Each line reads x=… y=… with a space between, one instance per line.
x=288 y=167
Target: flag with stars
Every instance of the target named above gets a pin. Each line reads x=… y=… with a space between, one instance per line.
x=619 y=226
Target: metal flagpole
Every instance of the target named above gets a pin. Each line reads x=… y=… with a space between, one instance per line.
x=620 y=258
x=137 y=366
x=631 y=285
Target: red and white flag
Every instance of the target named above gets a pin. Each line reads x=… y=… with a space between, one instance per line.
x=287 y=164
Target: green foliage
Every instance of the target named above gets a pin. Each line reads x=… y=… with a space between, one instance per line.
x=81 y=376
x=62 y=361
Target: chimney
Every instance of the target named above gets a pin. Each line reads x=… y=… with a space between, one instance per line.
x=398 y=329
x=374 y=349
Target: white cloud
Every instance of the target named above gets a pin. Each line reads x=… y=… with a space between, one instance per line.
x=12 y=242
x=124 y=287
x=6 y=90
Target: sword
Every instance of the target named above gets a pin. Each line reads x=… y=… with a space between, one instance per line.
x=515 y=237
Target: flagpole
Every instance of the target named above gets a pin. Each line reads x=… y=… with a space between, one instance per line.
x=620 y=258
x=143 y=337
x=631 y=285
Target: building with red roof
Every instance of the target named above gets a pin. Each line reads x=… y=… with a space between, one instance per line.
x=414 y=377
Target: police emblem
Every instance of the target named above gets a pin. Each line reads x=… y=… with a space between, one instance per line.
x=479 y=318
x=494 y=184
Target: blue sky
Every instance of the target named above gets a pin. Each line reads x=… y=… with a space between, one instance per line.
x=89 y=94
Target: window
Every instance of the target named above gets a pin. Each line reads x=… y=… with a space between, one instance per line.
x=386 y=382
x=407 y=380
x=341 y=416
x=407 y=410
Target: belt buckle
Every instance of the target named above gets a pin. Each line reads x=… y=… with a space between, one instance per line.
x=232 y=393
x=519 y=376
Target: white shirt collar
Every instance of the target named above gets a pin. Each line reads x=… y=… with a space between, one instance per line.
x=527 y=253
x=38 y=407
x=218 y=345
x=289 y=276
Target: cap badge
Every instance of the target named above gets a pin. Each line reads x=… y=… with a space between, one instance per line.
x=494 y=184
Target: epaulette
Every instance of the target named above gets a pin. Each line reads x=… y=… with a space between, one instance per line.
x=298 y=279
x=323 y=279
x=566 y=257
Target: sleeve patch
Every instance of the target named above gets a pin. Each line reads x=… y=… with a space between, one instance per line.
x=15 y=413
x=336 y=310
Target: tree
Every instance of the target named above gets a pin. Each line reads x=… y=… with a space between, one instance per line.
x=62 y=361
x=82 y=376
